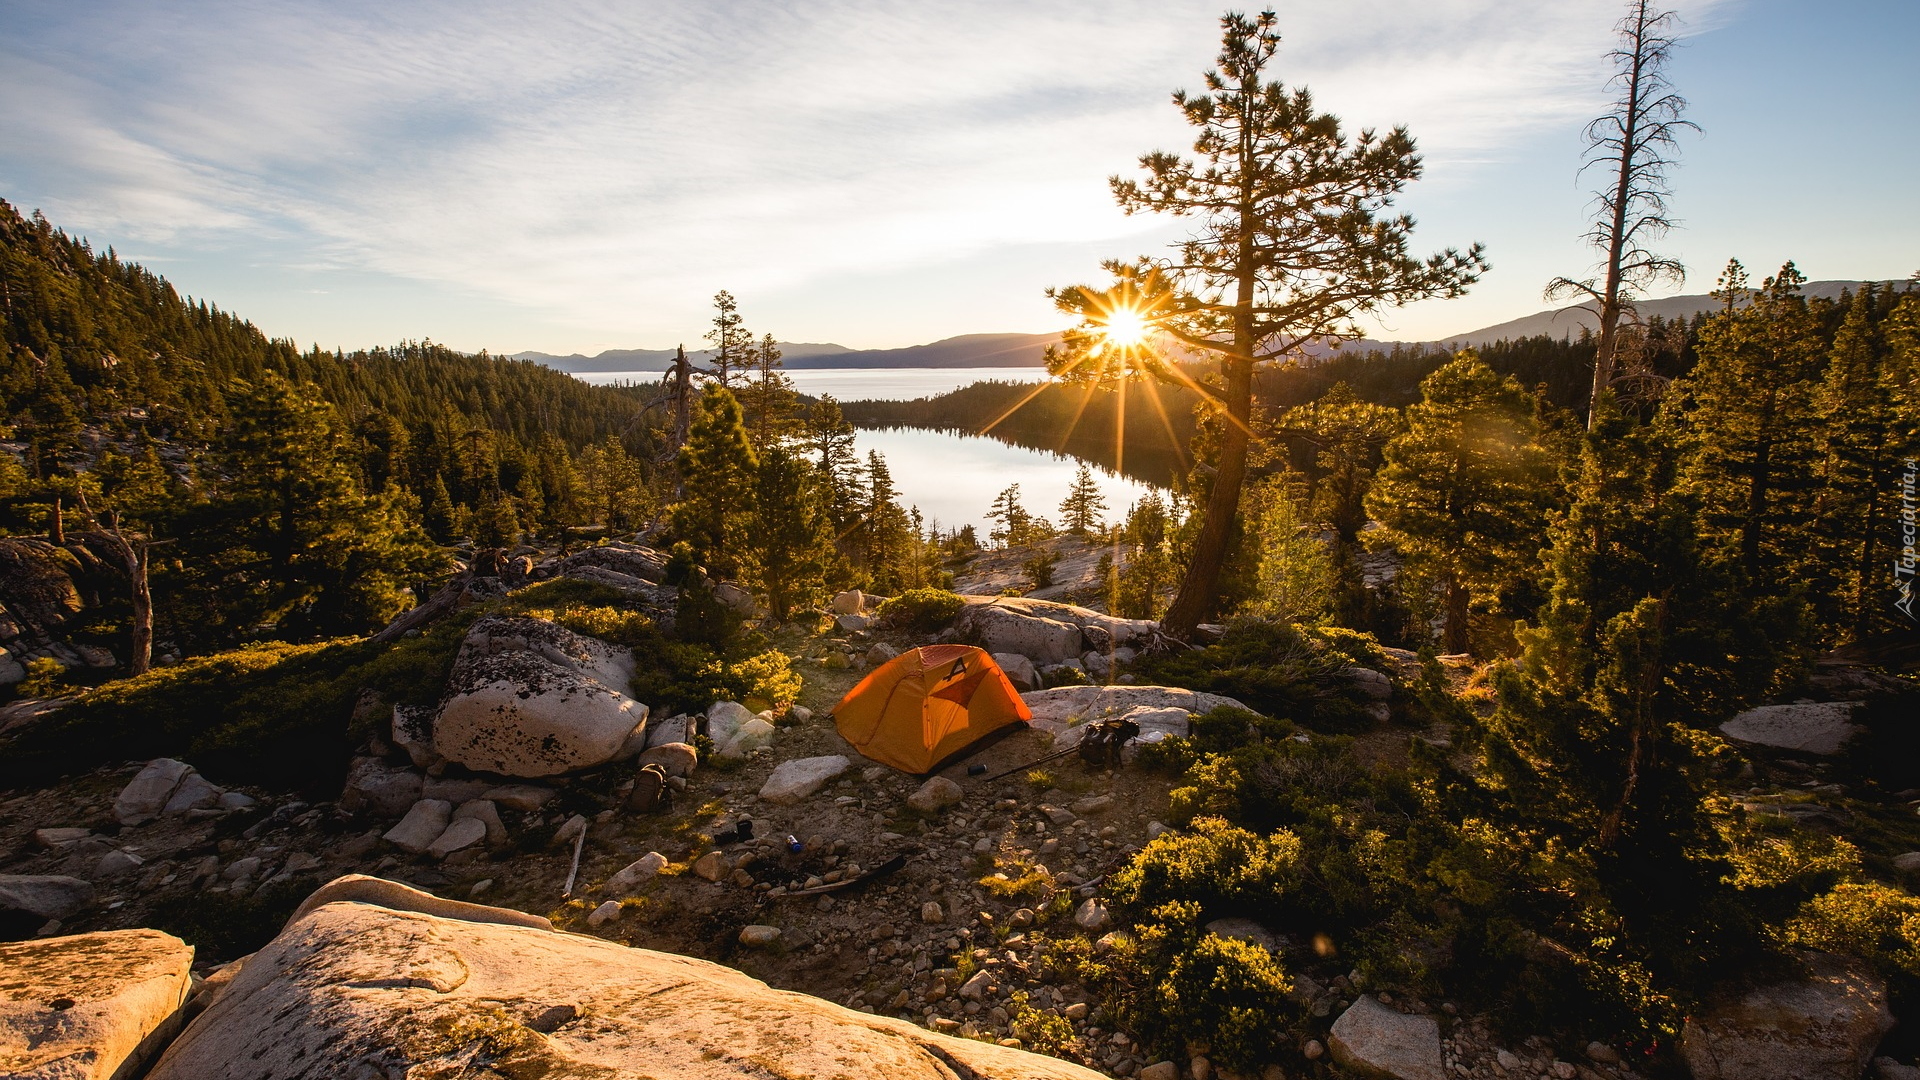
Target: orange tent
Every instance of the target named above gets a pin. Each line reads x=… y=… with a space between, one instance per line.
x=928 y=705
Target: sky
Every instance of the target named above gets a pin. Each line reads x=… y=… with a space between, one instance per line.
x=579 y=175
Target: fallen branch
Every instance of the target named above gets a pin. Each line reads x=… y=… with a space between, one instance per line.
x=880 y=871
x=579 y=842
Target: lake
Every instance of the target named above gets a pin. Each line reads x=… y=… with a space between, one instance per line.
x=951 y=477
x=854 y=384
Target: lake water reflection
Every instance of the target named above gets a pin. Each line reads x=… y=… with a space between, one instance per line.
x=953 y=478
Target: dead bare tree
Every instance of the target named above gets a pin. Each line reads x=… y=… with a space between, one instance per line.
x=1633 y=143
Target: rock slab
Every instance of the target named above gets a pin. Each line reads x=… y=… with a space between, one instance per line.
x=1371 y=1038
x=90 y=1005
x=1810 y=727
x=1824 y=1027
x=352 y=989
x=799 y=778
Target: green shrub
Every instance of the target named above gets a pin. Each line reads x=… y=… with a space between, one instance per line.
x=1274 y=668
x=920 y=611
x=271 y=713
x=1216 y=865
x=1227 y=995
x=682 y=677
x=46 y=678
x=1039 y=568
x=1875 y=922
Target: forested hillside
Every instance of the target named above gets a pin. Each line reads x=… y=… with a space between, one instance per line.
x=299 y=489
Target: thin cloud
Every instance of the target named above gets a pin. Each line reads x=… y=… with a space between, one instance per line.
x=609 y=164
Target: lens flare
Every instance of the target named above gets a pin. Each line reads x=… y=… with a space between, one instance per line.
x=1126 y=327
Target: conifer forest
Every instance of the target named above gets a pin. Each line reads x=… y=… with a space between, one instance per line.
x=1543 y=705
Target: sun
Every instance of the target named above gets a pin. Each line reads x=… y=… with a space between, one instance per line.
x=1126 y=327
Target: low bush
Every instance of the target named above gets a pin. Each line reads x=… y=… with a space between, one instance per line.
x=920 y=611
x=1278 y=669
x=1875 y=922
x=1219 y=866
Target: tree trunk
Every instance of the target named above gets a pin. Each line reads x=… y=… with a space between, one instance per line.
x=1458 y=615
x=140 y=644
x=57 y=524
x=1201 y=584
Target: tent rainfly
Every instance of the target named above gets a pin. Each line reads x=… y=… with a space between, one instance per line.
x=928 y=706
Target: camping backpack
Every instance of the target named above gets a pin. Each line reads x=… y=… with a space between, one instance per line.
x=1103 y=740
x=650 y=790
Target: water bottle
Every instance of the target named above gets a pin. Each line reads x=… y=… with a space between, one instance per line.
x=794 y=845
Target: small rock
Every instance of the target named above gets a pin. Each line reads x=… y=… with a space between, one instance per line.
x=975 y=987
x=634 y=873
x=1021 y=918
x=711 y=867
x=799 y=778
x=1564 y=1070
x=931 y=912
x=236 y=800
x=880 y=653
x=146 y=795
x=1506 y=1059
x=116 y=862
x=1154 y=829
x=850 y=602
x=54 y=838
x=522 y=797
x=759 y=937
x=1097 y=804
x=677 y=759
x=935 y=795
x=423 y=825
x=241 y=869
x=1090 y=915
x=460 y=833
x=604 y=914
x=1371 y=1037
x=48 y=896
x=1200 y=1069
x=1602 y=1053
x=1161 y=1070
x=799 y=714
x=572 y=829
x=1907 y=863
x=483 y=811
x=1313 y=1051
x=852 y=624
x=194 y=793
x=753 y=735
x=1076 y=1011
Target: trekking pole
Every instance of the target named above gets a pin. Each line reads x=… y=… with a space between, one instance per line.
x=1031 y=764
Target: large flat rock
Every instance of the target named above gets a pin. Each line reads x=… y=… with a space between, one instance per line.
x=352 y=989
x=1808 y=727
x=91 y=1005
x=1065 y=711
x=1823 y=1027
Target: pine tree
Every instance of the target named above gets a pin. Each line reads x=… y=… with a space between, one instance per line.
x=1081 y=510
x=1862 y=447
x=718 y=464
x=732 y=341
x=830 y=438
x=793 y=535
x=1296 y=240
x=768 y=397
x=1011 y=517
x=884 y=529
x=1348 y=436
x=1466 y=488
x=1745 y=420
x=1294 y=582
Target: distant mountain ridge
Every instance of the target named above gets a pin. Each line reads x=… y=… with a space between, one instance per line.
x=965 y=351
x=1029 y=350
